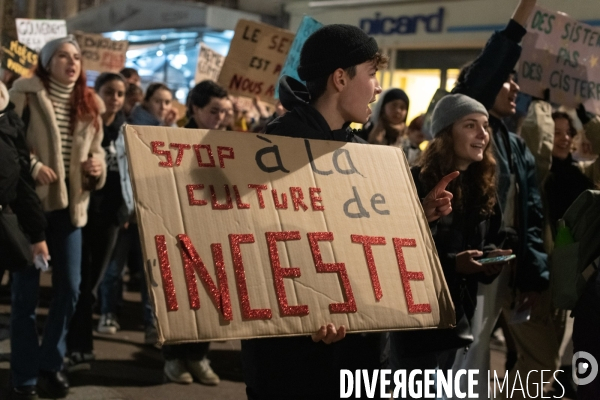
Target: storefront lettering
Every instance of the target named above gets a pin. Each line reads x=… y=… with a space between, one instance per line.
x=404 y=24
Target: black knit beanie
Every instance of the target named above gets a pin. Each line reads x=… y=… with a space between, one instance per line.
x=332 y=47
x=395 y=94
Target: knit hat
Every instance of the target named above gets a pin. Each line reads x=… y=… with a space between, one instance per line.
x=50 y=48
x=332 y=47
x=451 y=108
x=384 y=98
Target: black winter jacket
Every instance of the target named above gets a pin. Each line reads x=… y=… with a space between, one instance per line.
x=296 y=368
x=17 y=188
x=483 y=81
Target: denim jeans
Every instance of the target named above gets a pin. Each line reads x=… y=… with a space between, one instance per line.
x=127 y=241
x=27 y=355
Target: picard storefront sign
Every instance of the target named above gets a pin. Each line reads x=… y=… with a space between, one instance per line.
x=404 y=24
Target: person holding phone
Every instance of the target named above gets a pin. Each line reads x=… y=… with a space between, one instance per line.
x=462 y=143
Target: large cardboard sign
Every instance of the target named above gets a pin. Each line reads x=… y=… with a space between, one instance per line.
x=307 y=27
x=254 y=235
x=35 y=33
x=209 y=64
x=18 y=58
x=561 y=54
x=255 y=60
x=100 y=53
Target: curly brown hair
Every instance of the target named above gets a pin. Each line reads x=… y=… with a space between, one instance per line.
x=477 y=185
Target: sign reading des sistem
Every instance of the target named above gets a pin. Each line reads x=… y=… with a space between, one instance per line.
x=561 y=54
x=255 y=60
x=254 y=235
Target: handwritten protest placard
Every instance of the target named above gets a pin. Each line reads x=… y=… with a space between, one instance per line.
x=35 y=33
x=18 y=58
x=290 y=68
x=100 y=53
x=561 y=54
x=250 y=235
x=209 y=64
x=255 y=60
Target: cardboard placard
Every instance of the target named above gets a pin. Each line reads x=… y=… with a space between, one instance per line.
x=209 y=64
x=249 y=235
x=561 y=54
x=255 y=59
x=18 y=58
x=100 y=53
x=35 y=33
x=290 y=68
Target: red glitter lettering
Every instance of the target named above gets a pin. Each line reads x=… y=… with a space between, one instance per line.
x=367 y=241
x=215 y=203
x=298 y=198
x=259 y=189
x=180 y=148
x=165 y=273
x=280 y=273
x=169 y=160
x=238 y=199
x=190 y=192
x=208 y=149
x=408 y=276
x=240 y=277
x=223 y=156
x=349 y=306
x=192 y=262
x=283 y=205
x=315 y=199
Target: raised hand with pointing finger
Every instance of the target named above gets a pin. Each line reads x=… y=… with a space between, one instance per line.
x=438 y=202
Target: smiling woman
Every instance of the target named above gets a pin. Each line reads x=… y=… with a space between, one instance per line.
x=66 y=151
x=462 y=142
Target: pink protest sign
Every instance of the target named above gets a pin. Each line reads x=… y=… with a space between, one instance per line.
x=561 y=54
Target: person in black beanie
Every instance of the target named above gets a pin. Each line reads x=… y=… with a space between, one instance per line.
x=338 y=63
x=387 y=125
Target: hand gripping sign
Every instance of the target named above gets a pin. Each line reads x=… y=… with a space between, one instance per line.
x=254 y=235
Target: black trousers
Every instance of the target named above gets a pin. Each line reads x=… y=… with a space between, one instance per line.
x=99 y=238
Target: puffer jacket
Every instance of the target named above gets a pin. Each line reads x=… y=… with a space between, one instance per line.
x=43 y=138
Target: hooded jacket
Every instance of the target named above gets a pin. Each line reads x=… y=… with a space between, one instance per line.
x=17 y=188
x=43 y=137
x=296 y=368
x=303 y=120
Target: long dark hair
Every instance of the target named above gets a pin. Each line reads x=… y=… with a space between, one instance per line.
x=476 y=187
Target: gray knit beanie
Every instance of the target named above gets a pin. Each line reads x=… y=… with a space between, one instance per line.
x=50 y=48
x=451 y=108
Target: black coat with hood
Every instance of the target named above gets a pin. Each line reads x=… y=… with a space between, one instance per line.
x=483 y=81
x=17 y=188
x=296 y=367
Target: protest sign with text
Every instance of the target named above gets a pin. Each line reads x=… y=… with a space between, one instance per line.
x=290 y=68
x=209 y=64
x=561 y=54
x=100 y=53
x=18 y=58
x=250 y=235
x=255 y=60
x=35 y=33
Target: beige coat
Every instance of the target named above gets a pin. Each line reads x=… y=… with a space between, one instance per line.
x=43 y=137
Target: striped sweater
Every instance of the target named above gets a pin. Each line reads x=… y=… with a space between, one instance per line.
x=60 y=95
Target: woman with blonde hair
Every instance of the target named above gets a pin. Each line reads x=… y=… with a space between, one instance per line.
x=64 y=132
